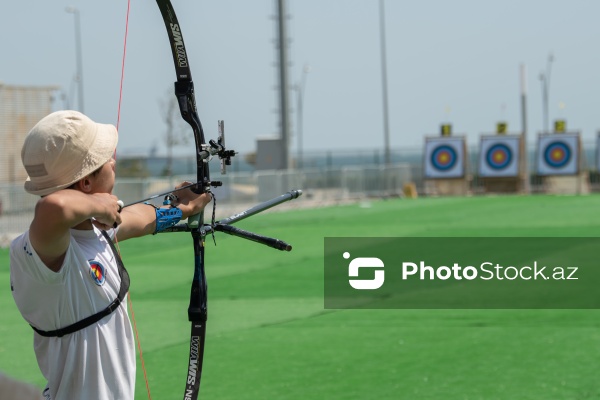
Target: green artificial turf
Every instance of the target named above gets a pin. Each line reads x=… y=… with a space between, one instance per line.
x=269 y=336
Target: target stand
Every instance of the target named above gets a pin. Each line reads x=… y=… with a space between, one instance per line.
x=501 y=163
x=560 y=163
x=445 y=166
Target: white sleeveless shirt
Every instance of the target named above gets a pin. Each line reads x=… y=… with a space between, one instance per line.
x=97 y=362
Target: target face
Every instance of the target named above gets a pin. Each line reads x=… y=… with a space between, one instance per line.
x=557 y=154
x=444 y=157
x=499 y=156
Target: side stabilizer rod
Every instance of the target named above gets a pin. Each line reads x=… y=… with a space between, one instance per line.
x=267 y=241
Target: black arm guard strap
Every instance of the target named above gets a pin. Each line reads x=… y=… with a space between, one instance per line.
x=84 y=323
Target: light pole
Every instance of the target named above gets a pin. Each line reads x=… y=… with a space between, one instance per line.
x=386 y=124
x=284 y=101
x=525 y=155
x=79 y=75
x=299 y=100
x=545 y=79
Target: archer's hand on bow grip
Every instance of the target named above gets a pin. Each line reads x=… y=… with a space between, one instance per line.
x=195 y=220
x=192 y=205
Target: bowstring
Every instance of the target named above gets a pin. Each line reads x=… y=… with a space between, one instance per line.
x=129 y=302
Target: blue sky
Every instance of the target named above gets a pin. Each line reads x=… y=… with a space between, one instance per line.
x=448 y=61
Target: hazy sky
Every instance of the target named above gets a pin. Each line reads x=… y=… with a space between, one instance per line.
x=448 y=61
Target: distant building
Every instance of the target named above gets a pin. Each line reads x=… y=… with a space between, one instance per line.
x=21 y=107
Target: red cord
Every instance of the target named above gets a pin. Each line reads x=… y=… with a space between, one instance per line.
x=132 y=314
x=139 y=345
x=123 y=64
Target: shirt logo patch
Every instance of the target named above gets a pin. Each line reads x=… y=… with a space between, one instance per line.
x=97 y=272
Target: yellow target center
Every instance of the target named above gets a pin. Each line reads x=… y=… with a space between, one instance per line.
x=557 y=154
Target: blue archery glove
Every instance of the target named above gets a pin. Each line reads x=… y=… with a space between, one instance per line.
x=167 y=218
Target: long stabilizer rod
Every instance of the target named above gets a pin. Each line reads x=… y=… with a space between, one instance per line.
x=291 y=195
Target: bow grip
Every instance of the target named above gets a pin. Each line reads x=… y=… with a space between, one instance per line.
x=193 y=221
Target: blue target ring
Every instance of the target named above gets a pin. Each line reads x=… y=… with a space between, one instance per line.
x=499 y=156
x=443 y=157
x=557 y=154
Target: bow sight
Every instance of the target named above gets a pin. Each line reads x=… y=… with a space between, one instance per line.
x=218 y=148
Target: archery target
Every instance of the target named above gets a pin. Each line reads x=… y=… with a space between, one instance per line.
x=499 y=156
x=444 y=157
x=558 y=154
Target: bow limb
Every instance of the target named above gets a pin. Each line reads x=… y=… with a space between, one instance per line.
x=184 y=91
